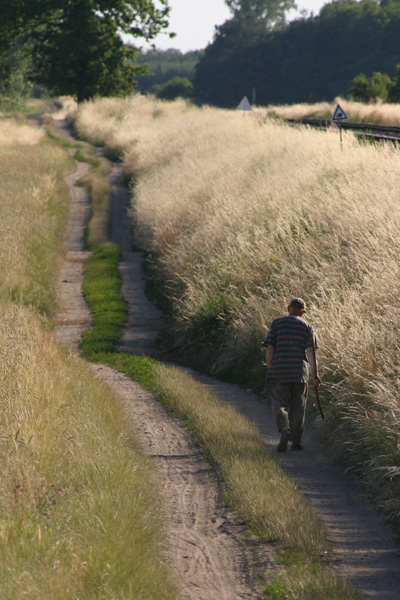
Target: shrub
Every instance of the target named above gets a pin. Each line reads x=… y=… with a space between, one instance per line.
x=177 y=87
x=365 y=89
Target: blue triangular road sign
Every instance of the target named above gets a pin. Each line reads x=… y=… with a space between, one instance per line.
x=339 y=114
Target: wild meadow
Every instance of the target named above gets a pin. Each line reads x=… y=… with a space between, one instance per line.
x=80 y=509
x=238 y=213
x=379 y=112
x=32 y=211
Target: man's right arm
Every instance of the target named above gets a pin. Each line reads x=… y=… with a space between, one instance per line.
x=314 y=367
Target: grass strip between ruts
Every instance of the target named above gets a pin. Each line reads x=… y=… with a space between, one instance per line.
x=102 y=290
x=255 y=485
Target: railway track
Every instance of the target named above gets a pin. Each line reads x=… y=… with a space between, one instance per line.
x=389 y=133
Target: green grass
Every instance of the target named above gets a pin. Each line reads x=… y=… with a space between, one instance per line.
x=97 y=232
x=102 y=290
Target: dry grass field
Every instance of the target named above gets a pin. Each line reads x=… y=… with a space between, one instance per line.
x=32 y=212
x=80 y=511
x=80 y=514
x=359 y=112
x=239 y=214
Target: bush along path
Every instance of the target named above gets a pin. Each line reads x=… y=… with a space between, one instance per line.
x=213 y=555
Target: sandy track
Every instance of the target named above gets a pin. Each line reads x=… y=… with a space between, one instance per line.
x=210 y=559
x=74 y=315
x=144 y=320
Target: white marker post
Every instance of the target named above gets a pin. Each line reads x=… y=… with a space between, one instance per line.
x=244 y=105
x=338 y=116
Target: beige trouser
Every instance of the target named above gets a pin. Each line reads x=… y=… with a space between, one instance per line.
x=289 y=405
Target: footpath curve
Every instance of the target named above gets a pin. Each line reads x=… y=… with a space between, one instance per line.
x=210 y=559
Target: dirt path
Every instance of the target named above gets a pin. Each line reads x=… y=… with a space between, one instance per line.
x=213 y=555
x=144 y=320
x=211 y=560
x=74 y=316
x=363 y=550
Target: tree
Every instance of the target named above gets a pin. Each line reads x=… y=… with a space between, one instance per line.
x=272 y=12
x=14 y=82
x=359 y=88
x=310 y=59
x=394 y=92
x=379 y=85
x=166 y=64
x=76 y=46
x=227 y=69
x=177 y=87
x=365 y=89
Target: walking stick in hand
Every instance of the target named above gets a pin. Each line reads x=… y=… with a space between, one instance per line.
x=315 y=375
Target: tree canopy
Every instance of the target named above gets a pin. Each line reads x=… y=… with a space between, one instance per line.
x=394 y=92
x=177 y=87
x=75 y=46
x=271 y=12
x=310 y=59
x=365 y=89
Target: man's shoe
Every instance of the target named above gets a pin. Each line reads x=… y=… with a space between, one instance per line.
x=296 y=446
x=283 y=442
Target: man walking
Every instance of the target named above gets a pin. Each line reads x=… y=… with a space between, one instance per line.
x=290 y=345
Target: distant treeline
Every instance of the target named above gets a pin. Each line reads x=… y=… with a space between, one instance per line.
x=164 y=65
x=310 y=59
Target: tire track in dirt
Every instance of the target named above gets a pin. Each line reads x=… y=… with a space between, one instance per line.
x=213 y=556
x=144 y=319
x=74 y=315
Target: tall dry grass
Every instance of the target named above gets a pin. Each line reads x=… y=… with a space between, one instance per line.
x=239 y=214
x=13 y=133
x=375 y=112
x=64 y=108
x=33 y=208
x=80 y=504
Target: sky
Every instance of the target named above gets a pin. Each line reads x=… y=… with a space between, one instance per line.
x=194 y=21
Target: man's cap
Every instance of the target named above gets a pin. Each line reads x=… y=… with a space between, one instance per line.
x=298 y=303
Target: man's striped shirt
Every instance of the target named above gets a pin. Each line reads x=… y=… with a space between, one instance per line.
x=290 y=336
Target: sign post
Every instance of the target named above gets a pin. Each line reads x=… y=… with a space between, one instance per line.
x=244 y=105
x=338 y=116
